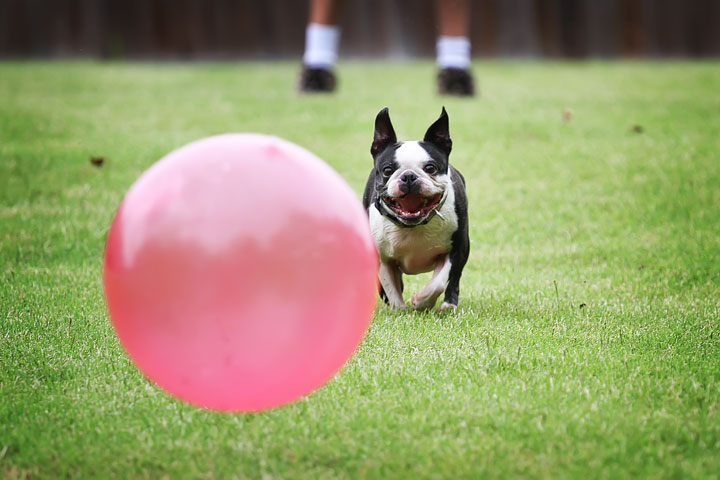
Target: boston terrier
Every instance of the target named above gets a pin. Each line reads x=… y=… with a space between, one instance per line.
x=418 y=213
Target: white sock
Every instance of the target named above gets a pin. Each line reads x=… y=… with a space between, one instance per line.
x=453 y=52
x=321 y=45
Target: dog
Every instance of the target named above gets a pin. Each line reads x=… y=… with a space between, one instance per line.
x=418 y=212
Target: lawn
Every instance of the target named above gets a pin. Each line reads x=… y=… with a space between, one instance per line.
x=587 y=342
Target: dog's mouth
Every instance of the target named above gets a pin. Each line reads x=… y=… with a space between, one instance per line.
x=413 y=207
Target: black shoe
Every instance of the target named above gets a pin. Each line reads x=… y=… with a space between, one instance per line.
x=317 y=80
x=456 y=81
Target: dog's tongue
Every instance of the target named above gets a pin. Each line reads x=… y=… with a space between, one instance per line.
x=412 y=202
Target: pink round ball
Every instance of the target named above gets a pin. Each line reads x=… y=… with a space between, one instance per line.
x=240 y=273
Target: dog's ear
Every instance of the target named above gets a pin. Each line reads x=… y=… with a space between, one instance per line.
x=384 y=133
x=439 y=133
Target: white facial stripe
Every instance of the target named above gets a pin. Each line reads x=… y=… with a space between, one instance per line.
x=411 y=156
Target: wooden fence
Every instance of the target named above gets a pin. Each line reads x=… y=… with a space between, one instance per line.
x=196 y=29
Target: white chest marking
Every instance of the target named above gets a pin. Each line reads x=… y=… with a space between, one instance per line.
x=415 y=249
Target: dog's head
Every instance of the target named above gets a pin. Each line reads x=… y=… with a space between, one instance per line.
x=411 y=178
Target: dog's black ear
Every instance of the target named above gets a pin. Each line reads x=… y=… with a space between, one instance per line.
x=439 y=133
x=384 y=133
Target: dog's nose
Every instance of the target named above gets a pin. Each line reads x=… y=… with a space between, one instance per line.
x=408 y=177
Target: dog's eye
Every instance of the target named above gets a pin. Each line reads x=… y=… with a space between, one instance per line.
x=431 y=169
x=387 y=171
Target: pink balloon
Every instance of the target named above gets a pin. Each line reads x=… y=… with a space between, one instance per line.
x=240 y=273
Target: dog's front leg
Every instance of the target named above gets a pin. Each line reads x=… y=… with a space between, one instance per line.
x=391 y=281
x=458 y=257
x=427 y=297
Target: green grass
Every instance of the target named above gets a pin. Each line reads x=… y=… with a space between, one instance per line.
x=587 y=343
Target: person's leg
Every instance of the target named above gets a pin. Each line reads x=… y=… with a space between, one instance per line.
x=326 y=12
x=322 y=38
x=453 y=48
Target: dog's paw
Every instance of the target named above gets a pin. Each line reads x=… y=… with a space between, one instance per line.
x=399 y=306
x=422 y=302
x=448 y=307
